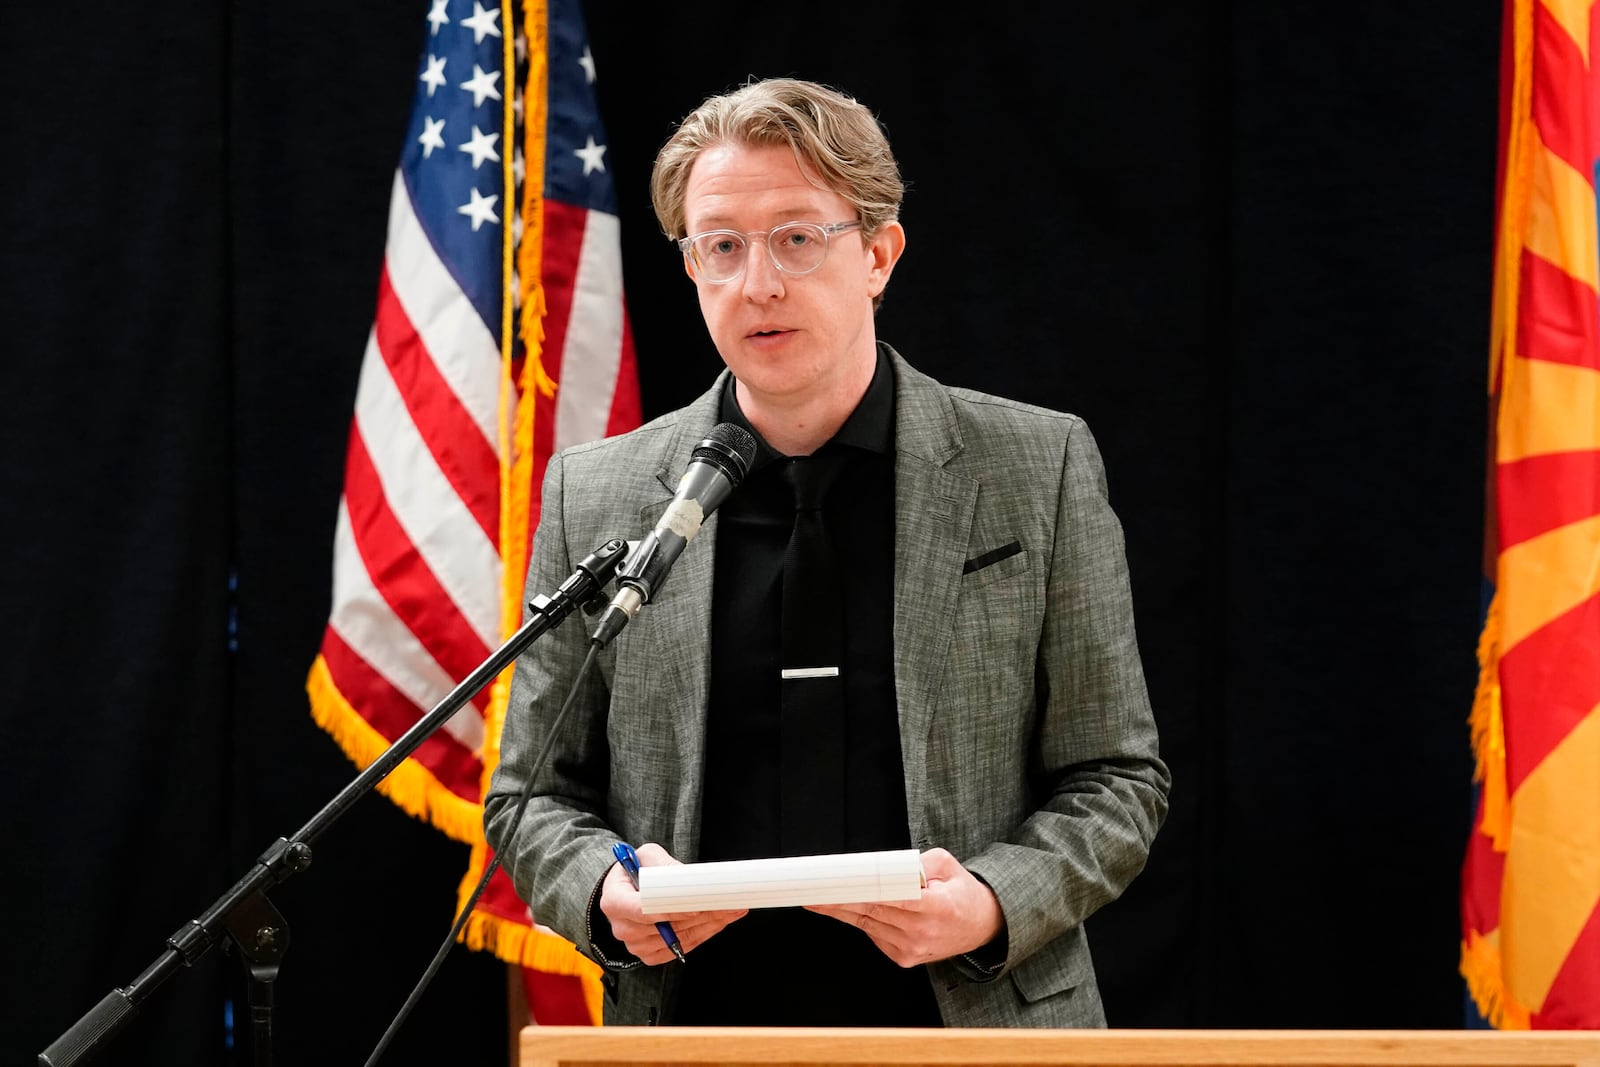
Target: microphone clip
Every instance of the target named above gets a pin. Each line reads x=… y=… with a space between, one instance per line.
x=586 y=587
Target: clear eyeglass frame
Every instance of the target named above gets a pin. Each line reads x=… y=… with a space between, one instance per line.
x=697 y=248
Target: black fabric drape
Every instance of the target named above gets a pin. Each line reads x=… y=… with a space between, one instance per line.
x=1250 y=244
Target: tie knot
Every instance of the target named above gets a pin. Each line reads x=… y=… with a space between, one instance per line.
x=810 y=477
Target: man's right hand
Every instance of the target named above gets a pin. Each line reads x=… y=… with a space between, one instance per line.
x=619 y=903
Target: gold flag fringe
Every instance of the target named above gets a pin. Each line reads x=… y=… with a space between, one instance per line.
x=1481 y=963
x=529 y=946
x=520 y=943
x=1489 y=733
x=535 y=381
x=520 y=261
x=1516 y=194
x=520 y=267
x=1481 y=967
x=410 y=786
x=418 y=793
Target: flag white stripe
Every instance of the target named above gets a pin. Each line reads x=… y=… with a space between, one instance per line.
x=433 y=516
x=462 y=347
x=363 y=620
x=593 y=350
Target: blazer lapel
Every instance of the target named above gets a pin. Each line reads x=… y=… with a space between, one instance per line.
x=933 y=520
x=677 y=652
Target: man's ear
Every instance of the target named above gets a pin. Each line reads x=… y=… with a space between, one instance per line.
x=886 y=247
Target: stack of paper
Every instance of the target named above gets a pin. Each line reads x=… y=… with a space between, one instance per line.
x=847 y=878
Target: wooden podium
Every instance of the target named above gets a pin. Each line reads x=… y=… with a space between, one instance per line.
x=599 y=1046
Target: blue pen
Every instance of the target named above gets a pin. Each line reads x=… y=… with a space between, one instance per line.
x=630 y=863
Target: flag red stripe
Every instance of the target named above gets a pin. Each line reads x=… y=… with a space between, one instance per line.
x=1542 y=493
x=403 y=578
x=446 y=427
x=563 y=245
x=1548 y=682
x=626 y=413
x=500 y=896
x=556 y=999
x=1560 y=79
x=1557 y=321
x=388 y=711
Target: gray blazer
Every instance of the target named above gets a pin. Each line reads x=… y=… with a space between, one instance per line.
x=1027 y=739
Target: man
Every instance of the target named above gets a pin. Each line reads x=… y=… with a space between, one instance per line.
x=988 y=704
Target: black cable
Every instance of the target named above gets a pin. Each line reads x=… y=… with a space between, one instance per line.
x=466 y=912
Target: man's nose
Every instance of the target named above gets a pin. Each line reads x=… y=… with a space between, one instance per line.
x=762 y=278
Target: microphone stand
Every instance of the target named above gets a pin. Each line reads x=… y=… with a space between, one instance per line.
x=245 y=913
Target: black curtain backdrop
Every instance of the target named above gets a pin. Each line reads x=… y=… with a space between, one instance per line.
x=1249 y=242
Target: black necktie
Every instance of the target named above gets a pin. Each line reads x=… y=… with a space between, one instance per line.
x=813 y=713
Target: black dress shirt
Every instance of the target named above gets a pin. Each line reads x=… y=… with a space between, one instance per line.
x=788 y=966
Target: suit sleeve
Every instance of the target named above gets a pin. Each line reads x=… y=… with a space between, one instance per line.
x=1100 y=785
x=561 y=846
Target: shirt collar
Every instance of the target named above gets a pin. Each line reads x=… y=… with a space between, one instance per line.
x=870 y=426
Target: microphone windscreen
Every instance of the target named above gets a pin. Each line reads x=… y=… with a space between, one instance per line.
x=731 y=447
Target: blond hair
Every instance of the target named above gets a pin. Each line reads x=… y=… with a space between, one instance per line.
x=832 y=136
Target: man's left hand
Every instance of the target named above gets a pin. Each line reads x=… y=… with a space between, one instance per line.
x=956 y=914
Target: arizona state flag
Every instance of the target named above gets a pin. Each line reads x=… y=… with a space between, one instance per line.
x=1530 y=904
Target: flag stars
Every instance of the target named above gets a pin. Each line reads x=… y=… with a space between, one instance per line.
x=592 y=154
x=434 y=76
x=437 y=16
x=587 y=63
x=481 y=147
x=519 y=168
x=480 y=209
x=520 y=43
x=482 y=23
x=481 y=85
x=432 y=136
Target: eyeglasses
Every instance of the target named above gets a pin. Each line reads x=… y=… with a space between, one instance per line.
x=718 y=256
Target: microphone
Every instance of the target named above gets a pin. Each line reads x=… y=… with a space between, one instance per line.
x=716 y=467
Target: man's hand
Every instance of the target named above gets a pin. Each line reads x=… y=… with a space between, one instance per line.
x=956 y=914
x=619 y=903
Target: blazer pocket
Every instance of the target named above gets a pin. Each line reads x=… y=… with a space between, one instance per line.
x=994 y=564
x=1063 y=964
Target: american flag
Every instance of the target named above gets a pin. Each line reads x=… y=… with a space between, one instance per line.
x=500 y=334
